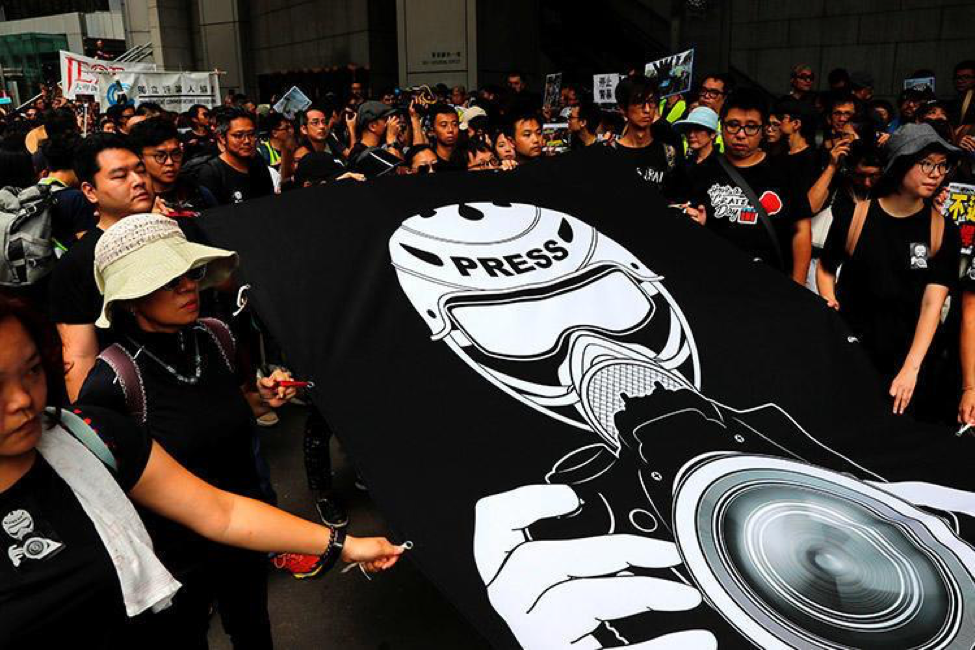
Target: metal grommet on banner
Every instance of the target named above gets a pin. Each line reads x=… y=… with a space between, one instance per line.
x=241 y=299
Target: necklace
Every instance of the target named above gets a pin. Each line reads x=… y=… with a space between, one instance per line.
x=197 y=362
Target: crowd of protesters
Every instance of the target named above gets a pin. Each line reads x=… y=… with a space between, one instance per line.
x=132 y=316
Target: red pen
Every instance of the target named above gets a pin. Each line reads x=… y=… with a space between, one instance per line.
x=294 y=384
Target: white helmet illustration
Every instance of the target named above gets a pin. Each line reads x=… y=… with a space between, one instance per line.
x=545 y=307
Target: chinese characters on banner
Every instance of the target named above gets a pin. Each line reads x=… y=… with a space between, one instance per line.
x=174 y=91
x=79 y=74
x=960 y=206
x=604 y=88
x=673 y=73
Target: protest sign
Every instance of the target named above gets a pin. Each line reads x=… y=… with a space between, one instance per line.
x=674 y=73
x=600 y=430
x=79 y=74
x=174 y=91
x=555 y=137
x=960 y=208
x=919 y=83
x=604 y=88
x=293 y=102
x=553 y=90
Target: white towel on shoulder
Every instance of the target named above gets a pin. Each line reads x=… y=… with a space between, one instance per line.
x=145 y=581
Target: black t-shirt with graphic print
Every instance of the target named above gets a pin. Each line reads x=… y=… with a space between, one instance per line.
x=881 y=285
x=731 y=215
x=71 y=596
x=658 y=163
x=230 y=186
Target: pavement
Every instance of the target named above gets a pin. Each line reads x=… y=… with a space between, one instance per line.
x=398 y=610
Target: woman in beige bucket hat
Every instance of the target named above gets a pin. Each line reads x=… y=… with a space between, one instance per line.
x=174 y=371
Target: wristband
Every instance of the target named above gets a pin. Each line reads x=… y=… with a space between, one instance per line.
x=336 y=542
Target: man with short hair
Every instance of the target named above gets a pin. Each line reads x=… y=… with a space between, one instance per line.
x=961 y=110
x=797 y=125
x=653 y=160
x=198 y=141
x=238 y=174
x=157 y=142
x=584 y=121
x=721 y=203
x=122 y=117
x=515 y=82
x=114 y=180
x=458 y=96
x=524 y=131
x=280 y=141
x=317 y=129
x=801 y=82
x=712 y=93
x=446 y=134
x=71 y=215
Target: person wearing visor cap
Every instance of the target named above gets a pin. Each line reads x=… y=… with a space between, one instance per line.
x=700 y=129
x=900 y=259
x=174 y=372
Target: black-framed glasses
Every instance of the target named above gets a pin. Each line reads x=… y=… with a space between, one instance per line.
x=244 y=135
x=711 y=92
x=195 y=274
x=734 y=127
x=176 y=155
x=934 y=168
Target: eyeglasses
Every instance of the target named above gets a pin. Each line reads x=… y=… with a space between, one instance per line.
x=843 y=113
x=244 y=135
x=195 y=274
x=965 y=77
x=493 y=162
x=711 y=92
x=423 y=169
x=734 y=127
x=176 y=155
x=938 y=168
x=806 y=76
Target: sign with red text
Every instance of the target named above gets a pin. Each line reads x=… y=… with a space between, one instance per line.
x=79 y=74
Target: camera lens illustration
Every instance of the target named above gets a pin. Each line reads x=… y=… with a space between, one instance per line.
x=814 y=561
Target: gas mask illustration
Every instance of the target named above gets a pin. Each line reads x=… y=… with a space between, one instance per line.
x=789 y=542
x=518 y=291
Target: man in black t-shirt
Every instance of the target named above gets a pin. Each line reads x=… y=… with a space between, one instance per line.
x=524 y=131
x=653 y=159
x=71 y=214
x=114 y=180
x=721 y=204
x=238 y=174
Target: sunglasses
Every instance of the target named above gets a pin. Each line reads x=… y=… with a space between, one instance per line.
x=195 y=274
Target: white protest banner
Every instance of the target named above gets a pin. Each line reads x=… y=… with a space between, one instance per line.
x=293 y=102
x=604 y=88
x=79 y=74
x=673 y=73
x=174 y=91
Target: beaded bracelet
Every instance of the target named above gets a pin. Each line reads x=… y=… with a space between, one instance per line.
x=336 y=542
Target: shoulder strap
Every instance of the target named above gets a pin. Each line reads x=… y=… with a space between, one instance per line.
x=965 y=104
x=937 y=231
x=128 y=375
x=83 y=432
x=856 y=226
x=737 y=179
x=224 y=339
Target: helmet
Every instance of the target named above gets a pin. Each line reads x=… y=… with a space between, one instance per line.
x=543 y=306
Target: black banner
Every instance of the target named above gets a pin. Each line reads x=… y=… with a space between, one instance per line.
x=600 y=424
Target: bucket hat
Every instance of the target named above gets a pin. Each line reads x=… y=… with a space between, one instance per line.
x=701 y=116
x=912 y=138
x=143 y=252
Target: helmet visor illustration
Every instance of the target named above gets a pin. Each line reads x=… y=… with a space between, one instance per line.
x=541 y=305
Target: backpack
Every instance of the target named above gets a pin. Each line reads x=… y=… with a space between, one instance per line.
x=860 y=218
x=26 y=249
x=190 y=171
x=84 y=434
x=129 y=376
